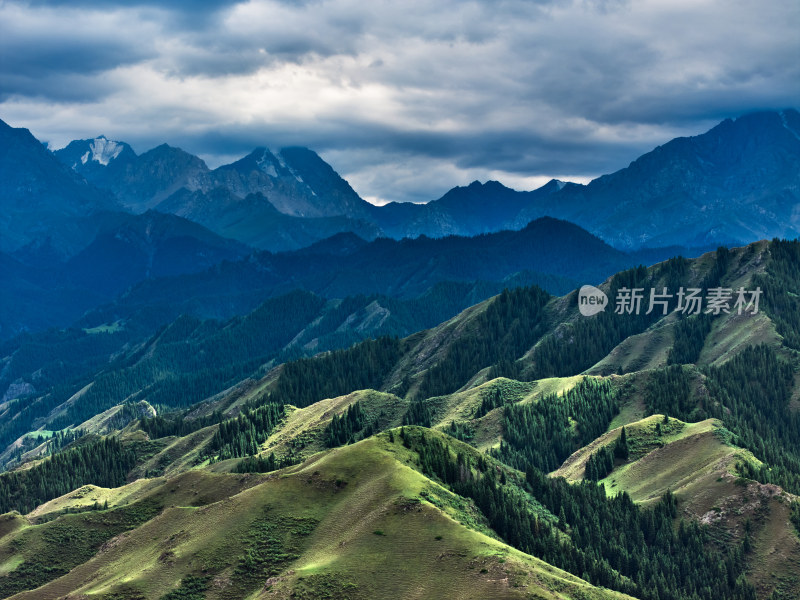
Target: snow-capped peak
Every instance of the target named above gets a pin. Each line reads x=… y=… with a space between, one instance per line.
x=102 y=150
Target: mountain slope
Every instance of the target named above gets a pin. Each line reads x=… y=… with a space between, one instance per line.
x=737 y=183
x=296 y=181
x=465 y=211
x=44 y=290
x=142 y=183
x=99 y=160
x=148 y=245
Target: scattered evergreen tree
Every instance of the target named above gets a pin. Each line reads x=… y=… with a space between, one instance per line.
x=243 y=435
x=460 y=430
x=260 y=464
x=418 y=413
x=510 y=325
x=669 y=391
x=345 y=429
x=600 y=464
x=782 y=276
x=545 y=433
x=177 y=425
x=690 y=337
x=621 y=450
x=496 y=397
x=795 y=515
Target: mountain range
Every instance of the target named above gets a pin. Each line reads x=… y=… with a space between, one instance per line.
x=76 y=255
x=173 y=267
x=734 y=184
x=70 y=217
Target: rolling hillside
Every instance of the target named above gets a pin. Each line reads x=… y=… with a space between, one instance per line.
x=481 y=443
x=354 y=523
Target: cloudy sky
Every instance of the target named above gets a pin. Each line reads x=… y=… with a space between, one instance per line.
x=405 y=99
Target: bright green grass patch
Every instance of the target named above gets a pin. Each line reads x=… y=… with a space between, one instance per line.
x=14 y=561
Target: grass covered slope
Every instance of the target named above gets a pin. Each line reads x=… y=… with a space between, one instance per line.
x=698 y=462
x=663 y=456
x=350 y=523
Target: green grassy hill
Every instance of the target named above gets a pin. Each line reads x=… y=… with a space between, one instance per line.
x=697 y=462
x=353 y=522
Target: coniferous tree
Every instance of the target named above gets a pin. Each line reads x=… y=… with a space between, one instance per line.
x=621 y=450
x=346 y=429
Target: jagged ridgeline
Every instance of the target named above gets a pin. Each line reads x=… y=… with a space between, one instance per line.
x=518 y=449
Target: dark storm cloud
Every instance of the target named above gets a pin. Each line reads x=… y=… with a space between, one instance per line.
x=408 y=98
x=58 y=71
x=64 y=55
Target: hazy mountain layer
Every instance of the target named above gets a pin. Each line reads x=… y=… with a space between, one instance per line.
x=734 y=184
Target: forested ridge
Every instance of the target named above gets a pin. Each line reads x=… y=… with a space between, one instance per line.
x=102 y=462
x=508 y=327
x=363 y=366
x=543 y=434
